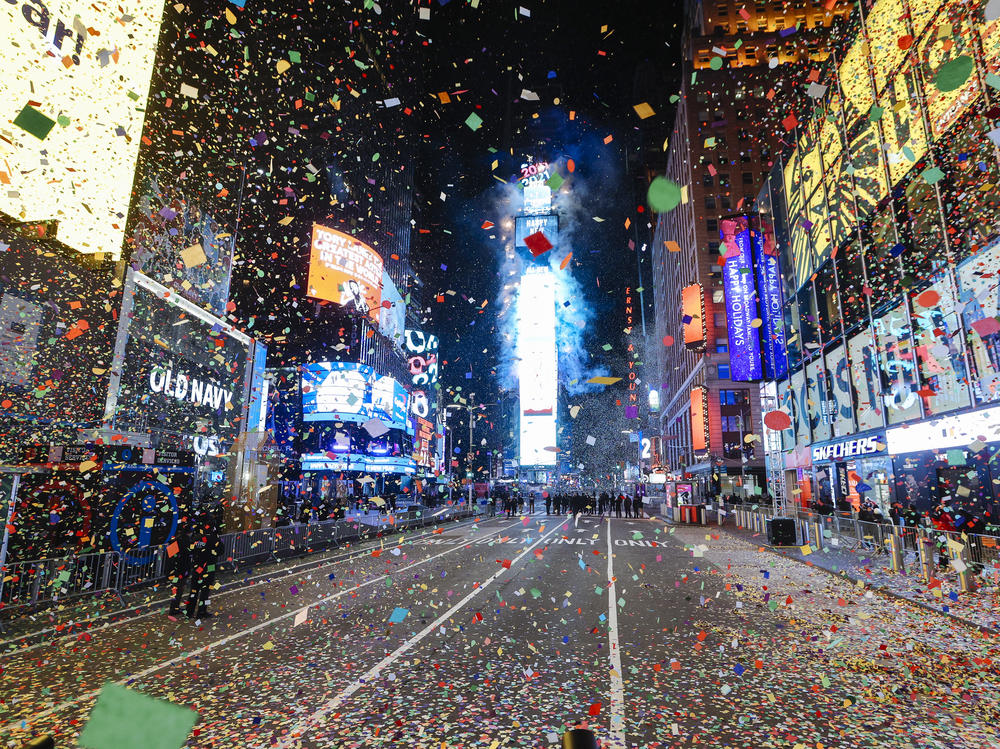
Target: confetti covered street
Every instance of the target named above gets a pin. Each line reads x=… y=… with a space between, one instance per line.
x=505 y=631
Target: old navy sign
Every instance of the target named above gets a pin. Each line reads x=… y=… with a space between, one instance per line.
x=741 y=301
x=847 y=449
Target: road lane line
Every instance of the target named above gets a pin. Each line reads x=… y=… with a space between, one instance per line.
x=617 y=709
x=295 y=734
x=233 y=586
x=23 y=723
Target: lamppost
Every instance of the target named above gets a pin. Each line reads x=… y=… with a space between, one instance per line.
x=469 y=409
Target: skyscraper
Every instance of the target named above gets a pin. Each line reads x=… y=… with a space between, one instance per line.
x=747 y=69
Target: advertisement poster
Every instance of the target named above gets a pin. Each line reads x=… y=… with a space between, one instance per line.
x=73 y=98
x=951 y=36
x=892 y=331
x=392 y=314
x=693 y=307
x=839 y=375
x=816 y=402
x=801 y=411
x=865 y=376
x=769 y=297
x=422 y=361
x=741 y=302
x=345 y=271
x=979 y=301
x=938 y=347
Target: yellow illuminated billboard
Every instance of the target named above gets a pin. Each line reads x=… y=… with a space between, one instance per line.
x=949 y=37
x=73 y=92
x=886 y=23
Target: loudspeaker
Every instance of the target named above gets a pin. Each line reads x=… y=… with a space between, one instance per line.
x=781 y=532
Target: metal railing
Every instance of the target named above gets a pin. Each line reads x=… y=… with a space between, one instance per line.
x=32 y=583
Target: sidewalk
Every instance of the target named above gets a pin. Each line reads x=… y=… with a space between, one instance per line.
x=81 y=614
x=980 y=608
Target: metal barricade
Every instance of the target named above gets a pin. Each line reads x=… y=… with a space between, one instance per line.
x=38 y=581
x=141 y=568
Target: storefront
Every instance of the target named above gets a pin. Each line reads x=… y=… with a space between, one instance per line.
x=798 y=476
x=951 y=460
x=847 y=472
x=181 y=379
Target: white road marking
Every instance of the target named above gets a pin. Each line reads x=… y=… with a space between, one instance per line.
x=617 y=708
x=131 y=678
x=294 y=736
x=231 y=587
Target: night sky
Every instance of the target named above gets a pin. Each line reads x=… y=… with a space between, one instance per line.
x=287 y=91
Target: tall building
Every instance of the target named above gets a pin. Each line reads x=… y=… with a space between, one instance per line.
x=746 y=68
x=887 y=218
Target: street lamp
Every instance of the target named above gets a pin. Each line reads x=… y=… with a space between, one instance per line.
x=468 y=408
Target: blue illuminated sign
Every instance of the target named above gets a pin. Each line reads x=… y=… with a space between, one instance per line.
x=769 y=296
x=741 y=303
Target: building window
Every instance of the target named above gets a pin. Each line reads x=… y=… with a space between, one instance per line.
x=747 y=178
x=712 y=225
x=719 y=319
x=722 y=347
x=723 y=179
x=707 y=180
x=727 y=204
x=713 y=249
x=723 y=370
x=734 y=398
x=710 y=202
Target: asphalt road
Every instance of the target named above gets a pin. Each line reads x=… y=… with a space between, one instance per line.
x=505 y=632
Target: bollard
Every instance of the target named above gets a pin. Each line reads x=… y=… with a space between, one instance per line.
x=579 y=738
x=42 y=742
x=896 y=550
x=960 y=561
x=817 y=533
x=925 y=547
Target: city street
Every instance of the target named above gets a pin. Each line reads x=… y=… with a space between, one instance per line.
x=503 y=632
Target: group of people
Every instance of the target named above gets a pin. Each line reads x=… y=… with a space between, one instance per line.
x=192 y=565
x=594 y=504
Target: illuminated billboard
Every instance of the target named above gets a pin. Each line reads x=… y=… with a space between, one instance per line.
x=525 y=226
x=72 y=101
x=345 y=271
x=537 y=368
x=699 y=419
x=392 y=314
x=350 y=392
x=335 y=391
x=769 y=295
x=693 y=310
x=741 y=301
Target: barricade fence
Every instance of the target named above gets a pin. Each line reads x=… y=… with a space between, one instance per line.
x=32 y=583
x=920 y=548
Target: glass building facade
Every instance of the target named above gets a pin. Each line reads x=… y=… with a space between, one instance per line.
x=886 y=216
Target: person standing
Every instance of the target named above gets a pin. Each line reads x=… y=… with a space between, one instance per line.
x=531 y=507
x=179 y=567
x=618 y=506
x=548 y=503
x=205 y=555
x=628 y=506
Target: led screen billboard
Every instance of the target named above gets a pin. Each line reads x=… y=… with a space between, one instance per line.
x=693 y=309
x=73 y=95
x=741 y=301
x=335 y=391
x=768 y=279
x=350 y=392
x=392 y=315
x=525 y=226
x=345 y=271
x=537 y=368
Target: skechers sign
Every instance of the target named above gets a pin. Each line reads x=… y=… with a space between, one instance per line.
x=847 y=449
x=741 y=301
x=185 y=388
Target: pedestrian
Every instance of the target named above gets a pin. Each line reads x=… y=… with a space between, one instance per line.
x=637 y=506
x=628 y=506
x=179 y=567
x=532 y=504
x=548 y=503
x=205 y=555
x=618 y=506
x=943 y=521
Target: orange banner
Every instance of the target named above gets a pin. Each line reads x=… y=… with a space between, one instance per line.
x=699 y=419
x=345 y=271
